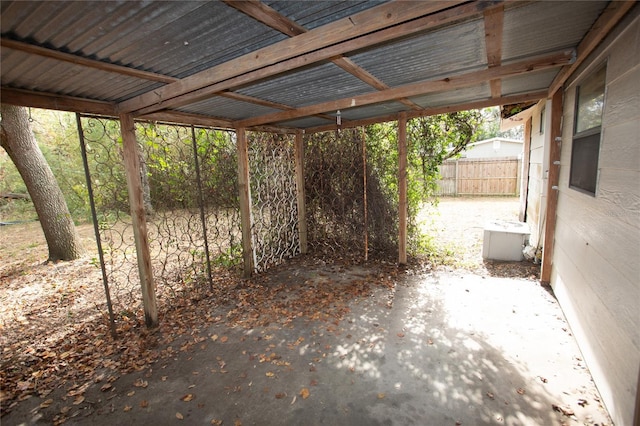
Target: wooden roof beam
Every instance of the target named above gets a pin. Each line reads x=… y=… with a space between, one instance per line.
x=33 y=99
x=493 y=29
x=104 y=66
x=85 y=62
x=270 y=17
x=484 y=103
x=421 y=24
x=608 y=19
x=364 y=23
x=459 y=81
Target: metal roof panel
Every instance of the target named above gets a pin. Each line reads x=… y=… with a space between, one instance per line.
x=231 y=109
x=449 y=51
x=453 y=97
x=309 y=86
x=540 y=27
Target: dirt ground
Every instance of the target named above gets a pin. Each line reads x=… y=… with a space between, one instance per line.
x=457 y=227
x=314 y=341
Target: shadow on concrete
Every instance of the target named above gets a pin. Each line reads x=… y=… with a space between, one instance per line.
x=433 y=350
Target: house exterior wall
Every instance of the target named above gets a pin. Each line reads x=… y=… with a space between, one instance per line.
x=538 y=171
x=596 y=262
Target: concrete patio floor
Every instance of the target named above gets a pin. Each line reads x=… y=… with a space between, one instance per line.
x=439 y=348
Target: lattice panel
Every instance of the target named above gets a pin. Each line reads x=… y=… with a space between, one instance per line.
x=273 y=199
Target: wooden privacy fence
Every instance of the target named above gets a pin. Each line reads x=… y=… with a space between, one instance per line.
x=480 y=176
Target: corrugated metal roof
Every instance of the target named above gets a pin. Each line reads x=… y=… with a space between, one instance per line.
x=309 y=86
x=540 y=27
x=222 y=107
x=182 y=39
x=313 y=14
x=449 y=51
x=528 y=83
x=454 y=97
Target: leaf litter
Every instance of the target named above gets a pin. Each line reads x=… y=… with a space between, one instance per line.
x=37 y=359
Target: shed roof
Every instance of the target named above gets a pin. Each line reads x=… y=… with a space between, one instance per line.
x=292 y=64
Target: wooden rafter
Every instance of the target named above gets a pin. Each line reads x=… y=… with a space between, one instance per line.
x=56 y=102
x=484 y=103
x=493 y=28
x=86 y=62
x=368 y=22
x=105 y=66
x=421 y=24
x=608 y=19
x=268 y=16
x=455 y=82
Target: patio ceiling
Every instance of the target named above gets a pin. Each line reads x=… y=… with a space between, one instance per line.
x=292 y=64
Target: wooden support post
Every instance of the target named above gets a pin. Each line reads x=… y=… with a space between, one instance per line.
x=138 y=216
x=555 y=139
x=364 y=195
x=524 y=171
x=300 y=194
x=245 y=200
x=402 y=188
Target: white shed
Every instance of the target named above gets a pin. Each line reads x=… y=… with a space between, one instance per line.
x=494 y=148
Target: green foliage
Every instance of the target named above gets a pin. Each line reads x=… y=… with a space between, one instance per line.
x=56 y=134
x=228 y=258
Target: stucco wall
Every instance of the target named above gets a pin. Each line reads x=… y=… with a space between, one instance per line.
x=596 y=263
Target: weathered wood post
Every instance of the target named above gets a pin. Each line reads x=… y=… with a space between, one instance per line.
x=402 y=188
x=300 y=194
x=245 y=200
x=138 y=217
x=555 y=139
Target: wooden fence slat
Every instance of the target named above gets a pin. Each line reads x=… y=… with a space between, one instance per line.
x=480 y=176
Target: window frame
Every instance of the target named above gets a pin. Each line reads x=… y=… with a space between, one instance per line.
x=586 y=143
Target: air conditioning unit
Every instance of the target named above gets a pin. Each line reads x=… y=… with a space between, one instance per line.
x=505 y=240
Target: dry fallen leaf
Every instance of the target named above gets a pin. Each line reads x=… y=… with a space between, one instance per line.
x=280 y=395
x=139 y=383
x=131 y=393
x=223 y=339
x=216 y=422
x=381 y=395
x=179 y=416
x=106 y=387
x=46 y=403
x=188 y=397
x=400 y=334
x=127 y=408
x=237 y=422
x=269 y=374
x=564 y=410
x=304 y=393
x=520 y=391
x=144 y=403
x=79 y=400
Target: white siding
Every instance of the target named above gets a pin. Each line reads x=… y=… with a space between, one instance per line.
x=596 y=264
x=493 y=148
x=537 y=191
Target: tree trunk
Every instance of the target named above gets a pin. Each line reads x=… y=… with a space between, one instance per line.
x=17 y=138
